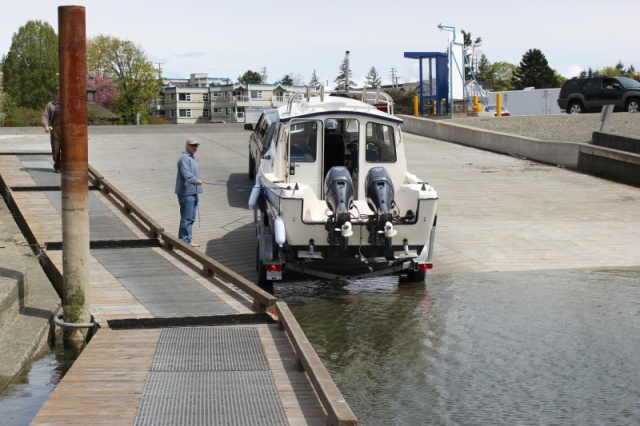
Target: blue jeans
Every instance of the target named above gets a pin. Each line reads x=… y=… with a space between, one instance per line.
x=188 y=208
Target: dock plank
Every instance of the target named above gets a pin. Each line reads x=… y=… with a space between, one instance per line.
x=105 y=383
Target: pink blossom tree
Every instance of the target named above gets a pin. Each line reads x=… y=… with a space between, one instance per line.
x=106 y=90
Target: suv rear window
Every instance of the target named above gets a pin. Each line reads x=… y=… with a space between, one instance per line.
x=571 y=85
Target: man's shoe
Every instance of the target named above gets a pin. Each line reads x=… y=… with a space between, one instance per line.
x=56 y=170
x=194 y=244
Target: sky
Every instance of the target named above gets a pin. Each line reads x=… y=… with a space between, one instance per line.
x=295 y=37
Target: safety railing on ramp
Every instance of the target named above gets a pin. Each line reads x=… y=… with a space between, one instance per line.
x=307 y=360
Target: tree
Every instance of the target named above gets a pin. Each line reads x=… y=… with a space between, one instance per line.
x=534 y=71
x=298 y=79
x=500 y=75
x=373 y=78
x=482 y=68
x=287 y=80
x=314 y=82
x=250 y=77
x=31 y=67
x=470 y=47
x=341 y=79
x=106 y=90
x=133 y=73
x=402 y=100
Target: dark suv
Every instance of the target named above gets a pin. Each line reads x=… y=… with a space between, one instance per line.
x=590 y=94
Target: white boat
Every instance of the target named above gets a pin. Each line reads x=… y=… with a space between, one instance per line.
x=333 y=198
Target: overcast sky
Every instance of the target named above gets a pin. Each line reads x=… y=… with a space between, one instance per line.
x=225 y=39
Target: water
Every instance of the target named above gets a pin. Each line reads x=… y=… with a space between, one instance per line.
x=544 y=347
x=516 y=348
x=23 y=397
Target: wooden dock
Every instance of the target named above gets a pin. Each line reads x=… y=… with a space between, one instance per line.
x=119 y=377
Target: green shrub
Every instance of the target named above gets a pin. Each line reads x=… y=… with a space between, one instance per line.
x=157 y=120
x=402 y=100
x=23 y=117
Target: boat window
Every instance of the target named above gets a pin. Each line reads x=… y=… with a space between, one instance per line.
x=303 y=139
x=381 y=147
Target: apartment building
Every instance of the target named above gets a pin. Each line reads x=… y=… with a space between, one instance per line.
x=201 y=99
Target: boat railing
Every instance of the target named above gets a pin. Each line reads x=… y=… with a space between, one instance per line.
x=292 y=99
x=380 y=100
x=377 y=98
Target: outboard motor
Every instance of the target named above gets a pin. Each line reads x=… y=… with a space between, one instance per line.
x=338 y=193
x=380 y=193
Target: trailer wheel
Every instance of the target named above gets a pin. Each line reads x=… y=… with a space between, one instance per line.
x=262 y=272
x=252 y=167
x=416 y=276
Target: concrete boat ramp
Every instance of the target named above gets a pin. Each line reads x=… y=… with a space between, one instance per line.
x=186 y=338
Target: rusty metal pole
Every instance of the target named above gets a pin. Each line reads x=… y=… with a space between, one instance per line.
x=72 y=51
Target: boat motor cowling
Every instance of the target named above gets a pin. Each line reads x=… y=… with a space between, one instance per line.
x=380 y=193
x=338 y=194
x=338 y=190
x=379 y=190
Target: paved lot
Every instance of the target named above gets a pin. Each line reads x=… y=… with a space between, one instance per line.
x=496 y=212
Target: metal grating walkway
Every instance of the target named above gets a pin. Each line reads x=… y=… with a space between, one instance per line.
x=161 y=287
x=104 y=225
x=210 y=376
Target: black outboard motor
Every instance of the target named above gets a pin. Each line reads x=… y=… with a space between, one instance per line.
x=380 y=193
x=338 y=193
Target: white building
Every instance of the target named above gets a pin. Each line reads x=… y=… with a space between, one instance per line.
x=200 y=99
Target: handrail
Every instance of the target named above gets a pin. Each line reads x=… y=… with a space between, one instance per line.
x=262 y=301
x=334 y=404
x=291 y=99
x=129 y=206
x=337 y=409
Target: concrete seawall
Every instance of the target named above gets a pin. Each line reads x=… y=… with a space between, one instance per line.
x=28 y=302
x=602 y=161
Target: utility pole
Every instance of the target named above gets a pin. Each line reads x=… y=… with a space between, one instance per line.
x=264 y=75
x=72 y=49
x=394 y=79
x=159 y=69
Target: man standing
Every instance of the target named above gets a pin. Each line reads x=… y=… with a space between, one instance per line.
x=51 y=124
x=188 y=186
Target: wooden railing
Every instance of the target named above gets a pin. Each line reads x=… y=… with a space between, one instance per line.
x=262 y=301
x=307 y=360
x=337 y=409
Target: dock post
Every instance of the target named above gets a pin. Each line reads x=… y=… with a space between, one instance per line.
x=72 y=53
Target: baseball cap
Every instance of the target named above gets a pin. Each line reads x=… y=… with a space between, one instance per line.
x=193 y=141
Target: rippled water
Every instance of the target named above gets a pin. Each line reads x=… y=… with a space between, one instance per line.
x=543 y=347
x=558 y=347
x=21 y=400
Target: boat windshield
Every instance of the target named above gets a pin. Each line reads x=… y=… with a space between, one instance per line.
x=381 y=146
x=303 y=141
